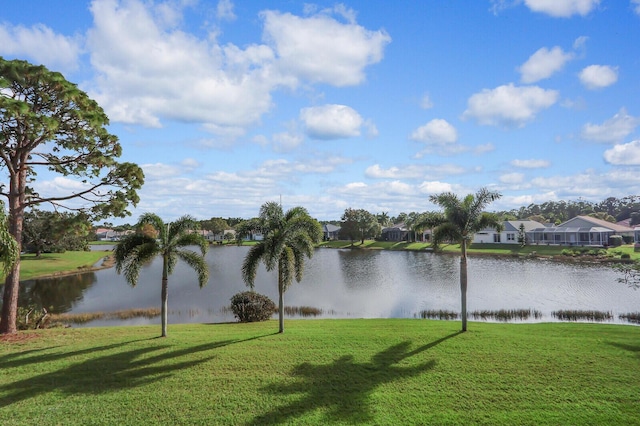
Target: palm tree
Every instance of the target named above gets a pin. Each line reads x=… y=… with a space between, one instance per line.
x=171 y=242
x=460 y=220
x=288 y=238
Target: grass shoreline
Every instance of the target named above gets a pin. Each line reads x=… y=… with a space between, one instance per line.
x=353 y=371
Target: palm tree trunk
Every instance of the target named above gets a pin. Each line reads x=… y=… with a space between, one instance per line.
x=165 y=294
x=280 y=302
x=463 y=283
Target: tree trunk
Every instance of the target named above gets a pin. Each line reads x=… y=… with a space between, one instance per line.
x=12 y=282
x=280 y=303
x=165 y=295
x=463 y=283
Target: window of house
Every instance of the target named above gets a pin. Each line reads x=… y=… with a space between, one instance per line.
x=496 y=238
x=511 y=237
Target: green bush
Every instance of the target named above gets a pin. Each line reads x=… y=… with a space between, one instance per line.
x=250 y=306
x=625 y=256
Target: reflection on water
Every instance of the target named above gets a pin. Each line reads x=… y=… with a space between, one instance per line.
x=348 y=283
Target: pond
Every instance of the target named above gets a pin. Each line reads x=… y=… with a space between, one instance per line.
x=347 y=284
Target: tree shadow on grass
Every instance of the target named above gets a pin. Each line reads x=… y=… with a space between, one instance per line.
x=343 y=388
x=631 y=348
x=99 y=374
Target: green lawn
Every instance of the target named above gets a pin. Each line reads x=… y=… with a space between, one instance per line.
x=496 y=249
x=386 y=372
x=57 y=263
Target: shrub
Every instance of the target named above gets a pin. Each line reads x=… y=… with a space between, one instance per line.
x=625 y=256
x=250 y=306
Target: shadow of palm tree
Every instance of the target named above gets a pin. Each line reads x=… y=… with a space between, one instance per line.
x=100 y=374
x=631 y=348
x=343 y=387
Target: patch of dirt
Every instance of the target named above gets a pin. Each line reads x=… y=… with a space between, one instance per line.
x=18 y=337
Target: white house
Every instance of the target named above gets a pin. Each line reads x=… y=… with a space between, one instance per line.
x=509 y=234
x=581 y=231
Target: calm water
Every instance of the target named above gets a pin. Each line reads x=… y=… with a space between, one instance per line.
x=348 y=283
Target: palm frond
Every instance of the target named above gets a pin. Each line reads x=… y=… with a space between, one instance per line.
x=134 y=259
x=197 y=263
x=193 y=239
x=124 y=249
x=182 y=226
x=287 y=267
x=251 y=262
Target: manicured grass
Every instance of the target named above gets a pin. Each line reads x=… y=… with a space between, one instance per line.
x=325 y=371
x=57 y=263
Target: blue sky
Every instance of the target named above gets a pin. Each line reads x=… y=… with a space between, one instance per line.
x=362 y=104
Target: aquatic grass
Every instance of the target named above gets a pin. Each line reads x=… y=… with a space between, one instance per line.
x=438 y=314
x=302 y=311
x=632 y=317
x=582 y=315
x=324 y=372
x=86 y=317
x=506 y=314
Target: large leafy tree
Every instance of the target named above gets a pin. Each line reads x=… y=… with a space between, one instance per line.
x=48 y=124
x=288 y=238
x=359 y=224
x=460 y=219
x=171 y=244
x=55 y=231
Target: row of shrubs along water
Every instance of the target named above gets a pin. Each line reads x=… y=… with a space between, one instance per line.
x=526 y=314
x=499 y=315
x=250 y=306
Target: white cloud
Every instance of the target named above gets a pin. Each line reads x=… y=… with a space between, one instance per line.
x=149 y=69
x=159 y=170
x=626 y=154
x=580 y=43
x=543 y=63
x=562 y=8
x=436 y=131
x=41 y=45
x=509 y=105
x=531 y=164
x=287 y=141
x=413 y=171
x=435 y=187
x=512 y=178
x=598 y=76
x=321 y=49
x=612 y=130
x=636 y=6
x=224 y=10
x=426 y=102
x=484 y=148
x=331 y=121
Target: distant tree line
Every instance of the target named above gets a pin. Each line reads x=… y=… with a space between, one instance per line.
x=360 y=224
x=611 y=209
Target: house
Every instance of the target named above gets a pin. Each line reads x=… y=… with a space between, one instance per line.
x=581 y=231
x=330 y=232
x=397 y=232
x=106 y=234
x=509 y=233
x=220 y=236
